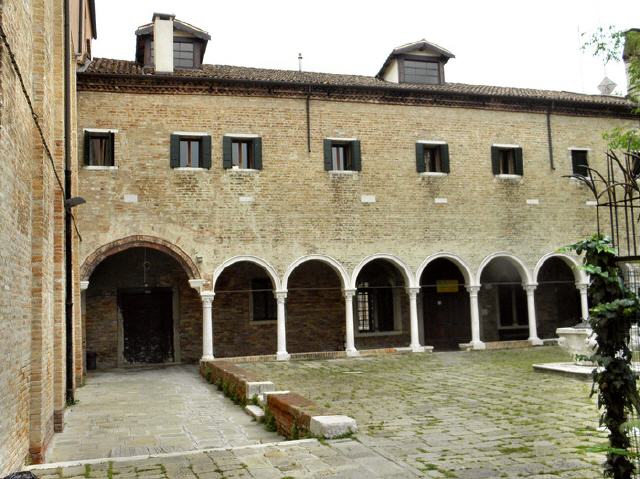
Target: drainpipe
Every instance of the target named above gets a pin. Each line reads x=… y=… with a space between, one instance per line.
x=67 y=210
x=550 y=137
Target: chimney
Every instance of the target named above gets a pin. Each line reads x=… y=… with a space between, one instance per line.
x=631 y=55
x=163 y=42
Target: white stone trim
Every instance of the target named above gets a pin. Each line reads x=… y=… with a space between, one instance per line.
x=533 y=201
x=241 y=135
x=505 y=145
x=431 y=142
x=577 y=148
x=242 y=171
x=505 y=177
x=197 y=284
x=342 y=172
x=525 y=272
x=402 y=266
x=271 y=271
x=84 y=285
x=99 y=168
x=100 y=130
x=579 y=275
x=440 y=201
x=341 y=139
x=189 y=168
x=332 y=262
x=462 y=265
x=433 y=174
x=190 y=133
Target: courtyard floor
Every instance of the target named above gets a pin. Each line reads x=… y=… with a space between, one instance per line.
x=148 y=411
x=443 y=415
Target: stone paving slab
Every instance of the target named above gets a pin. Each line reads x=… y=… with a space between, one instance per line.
x=309 y=458
x=151 y=411
x=458 y=414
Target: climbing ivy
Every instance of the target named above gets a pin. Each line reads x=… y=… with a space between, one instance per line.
x=615 y=310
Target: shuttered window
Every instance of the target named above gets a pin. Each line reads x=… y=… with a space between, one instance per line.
x=242 y=153
x=432 y=158
x=188 y=151
x=342 y=155
x=506 y=160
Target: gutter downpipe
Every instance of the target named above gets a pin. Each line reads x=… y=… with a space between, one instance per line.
x=68 y=244
x=550 y=137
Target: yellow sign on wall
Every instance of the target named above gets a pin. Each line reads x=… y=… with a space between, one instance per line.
x=447 y=286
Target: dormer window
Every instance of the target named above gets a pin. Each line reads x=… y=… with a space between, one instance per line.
x=183 y=50
x=420 y=71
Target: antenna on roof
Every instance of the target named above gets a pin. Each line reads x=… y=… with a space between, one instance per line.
x=299 y=62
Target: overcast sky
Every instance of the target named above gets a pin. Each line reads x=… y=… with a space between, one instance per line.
x=532 y=44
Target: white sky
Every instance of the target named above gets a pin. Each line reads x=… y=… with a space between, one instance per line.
x=532 y=44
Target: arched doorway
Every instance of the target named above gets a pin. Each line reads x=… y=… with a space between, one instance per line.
x=503 y=301
x=315 y=309
x=557 y=299
x=381 y=306
x=244 y=310
x=445 y=305
x=140 y=309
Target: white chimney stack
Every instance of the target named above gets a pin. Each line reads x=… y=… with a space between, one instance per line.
x=163 y=42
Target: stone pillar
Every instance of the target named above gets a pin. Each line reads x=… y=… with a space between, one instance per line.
x=584 y=301
x=476 y=343
x=207 y=325
x=531 y=309
x=350 y=344
x=415 y=345
x=282 y=354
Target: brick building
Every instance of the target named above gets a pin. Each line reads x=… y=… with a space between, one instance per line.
x=237 y=211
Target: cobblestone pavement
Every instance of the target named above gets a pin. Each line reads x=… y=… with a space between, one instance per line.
x=165 y=409
x=482 y=414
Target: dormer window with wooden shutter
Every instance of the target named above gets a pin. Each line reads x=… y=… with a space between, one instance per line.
x=420 y=62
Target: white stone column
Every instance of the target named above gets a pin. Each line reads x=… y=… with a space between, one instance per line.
x=207 y=325
x=415 y=345
x=531 y=310
x=350 y=344
x=476 y=343
x=584 y=300
x=282 y=354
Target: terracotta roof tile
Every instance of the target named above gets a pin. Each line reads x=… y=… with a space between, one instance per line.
x=105 y=66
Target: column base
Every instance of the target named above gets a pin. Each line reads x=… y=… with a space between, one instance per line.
x=207 y=358
x=283 y=356
x=478 y=345
x=417 y=348
x=535 y=341
x=352 y=353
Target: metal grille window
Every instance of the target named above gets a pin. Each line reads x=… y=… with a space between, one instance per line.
x=421 y=72
x=365 y=324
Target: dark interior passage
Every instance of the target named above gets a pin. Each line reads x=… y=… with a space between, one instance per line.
x=557 y=299
x=445 y=303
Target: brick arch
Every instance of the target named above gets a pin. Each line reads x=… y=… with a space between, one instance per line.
x=138 y=241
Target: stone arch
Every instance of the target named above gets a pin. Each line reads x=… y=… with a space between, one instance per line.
x=138 y=241
x=455 y=259
x=333 y=263
x=401 y=265
x=522 y=269
x=578 y=274
x=273 y=275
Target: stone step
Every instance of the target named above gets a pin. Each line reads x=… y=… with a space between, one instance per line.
x=255 y=412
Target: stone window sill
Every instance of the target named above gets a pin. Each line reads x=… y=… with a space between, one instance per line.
x=379 y=333
x=433 y=174
x=343 y=173
x=243 y=171
x=188 y=168
x=99 y=168
x=504 y=177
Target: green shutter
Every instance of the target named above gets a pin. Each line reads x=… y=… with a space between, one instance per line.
x=87 y=148
x=111 y=147
x=421 y=165
x=357 y=161
x=206 y=152
x=175 y=151
x=257 y=153
x=495 y=160
x=444 y=157
x=328 y=161
x=226 y=152
x=518 y=161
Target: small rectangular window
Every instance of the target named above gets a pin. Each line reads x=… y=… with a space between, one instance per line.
x=263 y=302
x=506 y=160
x=99 y=148
x=190 y=152
x=579 y=162
x=342 y=155
x=433 y=159
x=416 y=71
x=242 y=154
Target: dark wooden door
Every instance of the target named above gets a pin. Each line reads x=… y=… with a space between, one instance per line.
x=147 y=318
x=446 y=318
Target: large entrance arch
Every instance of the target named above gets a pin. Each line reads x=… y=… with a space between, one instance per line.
x=139 y=307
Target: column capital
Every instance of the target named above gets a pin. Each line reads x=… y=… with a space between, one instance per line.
x=413 y=291
x=281 y=295
x=583 y=287
x=530 y=287
x=84 y=285
x=197 y=284
x=348 y=292
x=473 y=288
x=207 y=297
